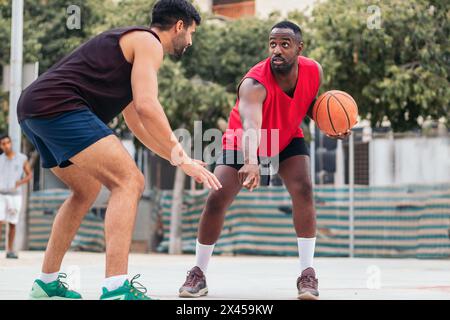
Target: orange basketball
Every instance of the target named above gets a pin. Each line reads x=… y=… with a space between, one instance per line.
x=335 y=112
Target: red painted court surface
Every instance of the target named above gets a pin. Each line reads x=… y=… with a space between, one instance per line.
x=236 y=278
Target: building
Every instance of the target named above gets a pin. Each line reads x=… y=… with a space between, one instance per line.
x=260 y=8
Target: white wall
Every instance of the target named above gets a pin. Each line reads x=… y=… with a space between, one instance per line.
x=409 y=161
x=381 y=162
x=265 y=7
x=422 y=160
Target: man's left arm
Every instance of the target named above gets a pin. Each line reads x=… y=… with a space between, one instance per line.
x=28 y=174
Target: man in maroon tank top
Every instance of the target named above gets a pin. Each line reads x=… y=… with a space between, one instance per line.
x=65 y=113
x=273 y=99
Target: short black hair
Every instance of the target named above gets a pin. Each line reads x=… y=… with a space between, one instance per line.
x=290 y=25
x=166 y=13
x=4 y=136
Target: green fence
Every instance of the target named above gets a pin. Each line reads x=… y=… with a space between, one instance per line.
x=401 y=222
x=42 y=211
x=398 y=222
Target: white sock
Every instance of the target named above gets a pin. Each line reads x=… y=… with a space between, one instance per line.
x=48 y=277
x=115 y=282
x=306 y=249
x=203 y=254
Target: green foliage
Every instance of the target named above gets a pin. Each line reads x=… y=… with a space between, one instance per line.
x=46 y=36
x=224 y=52
x=188 y=100
x=5 y=31
x=185 y=97
x=400 y=70
x=130 y=13
x=46 y=25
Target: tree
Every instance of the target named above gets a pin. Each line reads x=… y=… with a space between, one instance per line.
x=188 y=100
x=129 y=13
x=46 y=36
x=224 y=52
x=399 y=70
x=47 y=25
x=5 y=39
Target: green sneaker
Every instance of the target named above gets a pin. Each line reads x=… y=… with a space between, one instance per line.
x=128 y=291
x=56 y=290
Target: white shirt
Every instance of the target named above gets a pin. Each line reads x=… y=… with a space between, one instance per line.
x=11 y=171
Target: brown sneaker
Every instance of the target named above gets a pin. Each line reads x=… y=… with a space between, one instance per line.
x=307 y=285
x=195 y=285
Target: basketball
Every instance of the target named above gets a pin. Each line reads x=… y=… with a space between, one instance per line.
x=335 y=112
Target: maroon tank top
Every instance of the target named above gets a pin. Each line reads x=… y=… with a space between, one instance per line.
x=96 y=75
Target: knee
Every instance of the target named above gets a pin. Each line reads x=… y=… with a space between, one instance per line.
x=215 y=205
x=140 y=183
x=134 y=183
x=302 y=189
x=87 y=194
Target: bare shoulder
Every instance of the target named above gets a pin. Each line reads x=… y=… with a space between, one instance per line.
x=252 y=89
x=319 y=66
x=140 y=41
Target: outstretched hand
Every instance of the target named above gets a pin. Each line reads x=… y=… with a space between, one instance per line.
x=196 y=169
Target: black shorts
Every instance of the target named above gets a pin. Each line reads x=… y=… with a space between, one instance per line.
x=235 y=158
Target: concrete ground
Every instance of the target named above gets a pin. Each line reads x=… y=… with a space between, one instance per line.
x=236 y=278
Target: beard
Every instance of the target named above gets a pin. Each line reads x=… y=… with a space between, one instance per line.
x=284 y=68
x=178 y=54
x=179 y=48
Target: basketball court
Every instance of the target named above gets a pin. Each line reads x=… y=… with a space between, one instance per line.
x=244 y=277
x=376 y=191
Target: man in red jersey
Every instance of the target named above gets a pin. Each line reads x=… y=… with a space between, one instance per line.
x=273 y=99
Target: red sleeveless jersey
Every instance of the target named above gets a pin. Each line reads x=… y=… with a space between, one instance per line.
x=279 y=110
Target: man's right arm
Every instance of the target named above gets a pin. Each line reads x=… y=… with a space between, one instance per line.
x=147 y=59
x=134 y=123
x=251 y=98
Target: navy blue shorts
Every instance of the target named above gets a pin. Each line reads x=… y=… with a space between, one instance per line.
x=235 y=158
x=61 y=137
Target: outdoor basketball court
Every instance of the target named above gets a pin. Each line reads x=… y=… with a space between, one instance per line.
x=255 y=278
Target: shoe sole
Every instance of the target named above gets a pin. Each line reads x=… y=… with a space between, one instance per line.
x=201 y=293
x=54 y=298
x=307 y=296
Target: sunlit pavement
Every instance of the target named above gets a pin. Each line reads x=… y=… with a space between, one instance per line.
x=244 y=277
